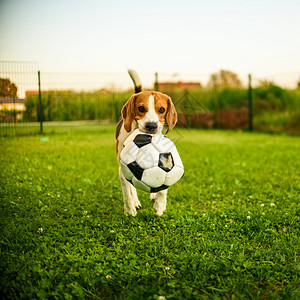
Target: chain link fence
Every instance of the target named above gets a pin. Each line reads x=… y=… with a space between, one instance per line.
x=15 y=79
x=96 y=99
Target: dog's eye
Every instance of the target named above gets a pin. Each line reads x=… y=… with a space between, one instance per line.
x=161 y=110
x=141 y=108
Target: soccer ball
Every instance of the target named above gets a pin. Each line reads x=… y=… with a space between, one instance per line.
x=150 y=162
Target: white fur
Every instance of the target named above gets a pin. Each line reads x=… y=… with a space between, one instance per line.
x=160 y=203
x=131 y=201
x=150 y=117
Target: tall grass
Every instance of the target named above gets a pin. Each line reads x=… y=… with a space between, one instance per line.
x=71 y=106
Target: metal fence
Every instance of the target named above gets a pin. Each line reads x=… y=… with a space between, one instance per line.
x=16 y=78
x=32 y=102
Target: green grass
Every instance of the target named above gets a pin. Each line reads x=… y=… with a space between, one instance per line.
x=203 y=247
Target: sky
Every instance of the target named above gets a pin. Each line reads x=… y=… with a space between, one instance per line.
x=201 y=37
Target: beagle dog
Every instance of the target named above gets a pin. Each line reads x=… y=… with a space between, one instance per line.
x=147 y=111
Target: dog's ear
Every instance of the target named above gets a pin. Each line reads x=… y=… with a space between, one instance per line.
x=128 y=113
x=171 y=116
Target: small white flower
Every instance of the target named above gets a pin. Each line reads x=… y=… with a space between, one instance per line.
x=225 y=225
x=40 y=230
x=112 y=231
x=272 y=204
x=263 y=214
x=248 y=217
x=262 y=205
x=249 y=212
x=85 y=212
x=108 y=277
x=284 y=229
x=167 y=268
x=161 y=298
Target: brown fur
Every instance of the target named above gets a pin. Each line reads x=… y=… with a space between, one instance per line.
x=171 y=116
x=130 y=110
x=118 y=129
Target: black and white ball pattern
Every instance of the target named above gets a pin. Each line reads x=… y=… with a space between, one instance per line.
x=150 y=162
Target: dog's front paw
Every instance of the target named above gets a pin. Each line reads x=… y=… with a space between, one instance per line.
x=159 y=212
x=153 y=197
x=130 y=211
x=137 y=204
x=159 y=208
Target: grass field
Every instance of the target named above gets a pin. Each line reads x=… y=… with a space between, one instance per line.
x=231 y=229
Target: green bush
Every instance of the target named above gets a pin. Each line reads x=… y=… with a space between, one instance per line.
x=229 y=98
x=275 y=108
x=71 y=106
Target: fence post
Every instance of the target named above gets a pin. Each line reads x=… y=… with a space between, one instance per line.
x=216 y=100
x=250 y=103
x=15 y=117
x=186 y=108
x=40 y=103
x=156 y=82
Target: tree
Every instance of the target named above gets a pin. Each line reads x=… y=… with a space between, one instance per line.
x=224 y=79
x=266 y=83
x=7 y=88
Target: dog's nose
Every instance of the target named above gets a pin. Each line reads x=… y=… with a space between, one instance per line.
x=151 y=127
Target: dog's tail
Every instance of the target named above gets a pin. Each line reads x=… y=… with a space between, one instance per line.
x=136 y=80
